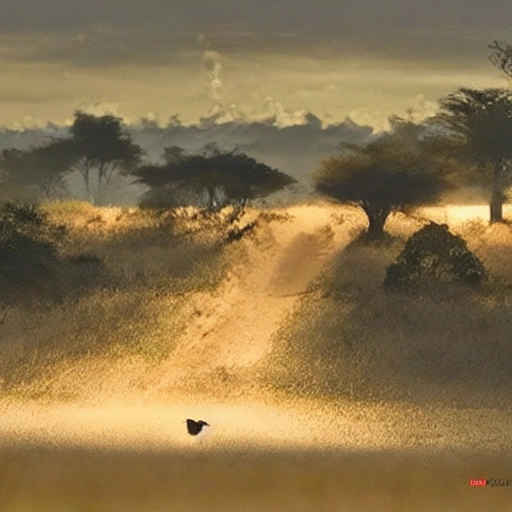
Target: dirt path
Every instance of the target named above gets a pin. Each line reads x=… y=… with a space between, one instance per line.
x=234 y=328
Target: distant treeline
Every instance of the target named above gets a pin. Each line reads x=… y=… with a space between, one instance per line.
x=467 y=143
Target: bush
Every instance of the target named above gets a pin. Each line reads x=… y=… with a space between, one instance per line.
x=32 y=270
x=434 y=255
x=28 y=260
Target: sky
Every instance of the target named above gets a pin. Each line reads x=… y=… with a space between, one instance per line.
x=240 y=60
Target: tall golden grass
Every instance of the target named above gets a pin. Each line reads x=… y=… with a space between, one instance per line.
x=347 y=336
x=352 y=338
x=137 y=308
x=409 y=381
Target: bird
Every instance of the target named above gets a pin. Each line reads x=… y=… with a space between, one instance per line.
x=194 y=427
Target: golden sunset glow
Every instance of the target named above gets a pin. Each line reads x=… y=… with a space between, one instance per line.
x=159 y=68
x=255 y=255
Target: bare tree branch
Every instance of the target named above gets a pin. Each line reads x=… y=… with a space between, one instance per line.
x=502 y=56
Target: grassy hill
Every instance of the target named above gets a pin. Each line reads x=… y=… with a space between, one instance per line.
x=296 y=305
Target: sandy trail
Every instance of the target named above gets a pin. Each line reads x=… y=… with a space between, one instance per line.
x=234 y=327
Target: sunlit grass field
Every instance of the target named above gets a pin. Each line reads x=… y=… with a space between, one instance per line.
x=324 y=392
x=288 y=456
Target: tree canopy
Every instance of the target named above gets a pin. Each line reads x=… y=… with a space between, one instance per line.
x=216 y=176
x=384 y=176
x=501 y=56
x=29 y=261
x=33 y=271
x=102 y=143
x=480 y=121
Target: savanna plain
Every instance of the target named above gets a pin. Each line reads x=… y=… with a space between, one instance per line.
x=324 y=391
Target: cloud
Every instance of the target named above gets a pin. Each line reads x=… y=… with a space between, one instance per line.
x=422 y=109
x=276 y=112
x=294 y=149
x=98 y=107
x=106 y=44
x=236 y=72
x=221 y=113
x=100 y=46
x=213 y=65
x=329 y=17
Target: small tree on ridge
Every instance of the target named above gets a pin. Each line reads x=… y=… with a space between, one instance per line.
x=385 y=176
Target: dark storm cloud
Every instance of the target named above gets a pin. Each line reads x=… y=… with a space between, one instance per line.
x=363 y=59
x=100 y=46
x=102 y=33
x=106 y=46
x=303 y=16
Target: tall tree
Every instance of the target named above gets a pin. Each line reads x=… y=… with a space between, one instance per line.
x=480 y=120
x=220 y=177
x=102 y=144
x=385 y=176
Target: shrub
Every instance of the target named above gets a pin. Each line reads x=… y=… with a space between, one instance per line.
x=434 y=255
x=28 y=260
x=32 y=270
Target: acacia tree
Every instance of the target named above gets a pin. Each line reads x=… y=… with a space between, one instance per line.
x=385 y=176
x=480 y=122
x=101 y=143
x=221 y=177
x=34 y=273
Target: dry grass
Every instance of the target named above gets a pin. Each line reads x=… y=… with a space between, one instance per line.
x=170 y=296
x=348 y=336
x=137 y=306
x=44 y=479
x=105 y=327
x=352 y=338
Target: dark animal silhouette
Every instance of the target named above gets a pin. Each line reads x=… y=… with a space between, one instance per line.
x=194 y=427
